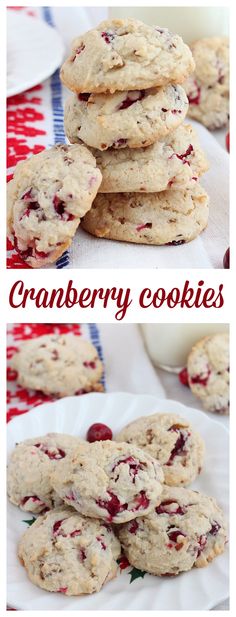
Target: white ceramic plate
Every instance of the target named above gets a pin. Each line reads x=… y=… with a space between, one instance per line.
x=34 y=52
x=198 y=589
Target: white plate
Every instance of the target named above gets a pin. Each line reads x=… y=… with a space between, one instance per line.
x=34 y=52
x=198 y=589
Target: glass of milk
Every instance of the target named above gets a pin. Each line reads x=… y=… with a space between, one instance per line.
x=191 y=22
x=168 y=345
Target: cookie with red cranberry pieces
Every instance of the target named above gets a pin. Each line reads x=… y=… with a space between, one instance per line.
x=172 y=441
x=47 y=197
x=60 y=365
x=171 y=217
x=30 y=467
x=125 y=54
x=112 y=481
x=173 y=163
x=132 y=119
x=208 y=88
x=186 y=529
x=67 y=553
x=208 y=372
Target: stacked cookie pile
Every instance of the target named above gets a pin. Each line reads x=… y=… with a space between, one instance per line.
x=107 y=496
x=128 y=106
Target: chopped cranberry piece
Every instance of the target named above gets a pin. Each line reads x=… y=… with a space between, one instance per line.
x=130 y=100
x=133 y=526
x=173 y=537
x=82 y=554
x=142 y=501
x=227 y=141
x=62 y=589
x=29 y=196
x=103 y=545
x=78 y=51
x=98 y=432
x=134 y=466
x=123 y=563
x=183 y=156
x=33 y=498
x=201 y=380
x=164 y=110
x=175 y=242
x=119 y=143
x=202 y=543
x=90 y=364
x=71 y=496
x=24 y=254
x=215 y=528
x=108 y=37
x=55 y=454
x=84 y=96
x=60 y=208
x=179 y=448
x=40 y=254
x=55 y=354
x=194 y=98
x=76 y=532
x=226 y=260
x=164 y=509
x=183 y=377
x=56 y=528
x=113 y=506
x=145 y=226
x=176 y=111
x=81 y=391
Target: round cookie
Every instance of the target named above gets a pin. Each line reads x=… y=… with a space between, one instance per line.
x=61 y=365
x=170 y=217
x=175 y=163
x=125 y=54
x=30 y=467
x=208 y=88
x=208 y=372
x=67 y=553
x=186 y=529
x=111 y=481
x=46 y=198
x=126 y=119
x=172 y=441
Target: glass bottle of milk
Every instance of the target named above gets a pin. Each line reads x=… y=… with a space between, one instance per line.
x=168 y=345
x=191 y=22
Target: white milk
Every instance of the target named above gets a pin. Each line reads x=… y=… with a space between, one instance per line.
x=168 y=345
x=190 y=22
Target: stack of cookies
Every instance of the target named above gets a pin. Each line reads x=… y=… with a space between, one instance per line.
x=128 y=106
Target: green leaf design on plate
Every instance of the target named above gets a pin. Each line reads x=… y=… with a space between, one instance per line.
x=29 y=521
x=135 y=573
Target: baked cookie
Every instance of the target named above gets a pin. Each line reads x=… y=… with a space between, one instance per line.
x=208 y=372
x=126 y=119
x=186 y=529
x=112 y=481
x=170 y=217
x=65 y=552
x=46 y=198
x=30 y=467
x=61 y=365
x=125 y=54
x=175 y=163
x=172 y=441
x=208 y=88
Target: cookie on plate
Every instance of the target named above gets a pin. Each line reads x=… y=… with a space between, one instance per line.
x=208 y=87
x=67 y=553
x=112 y=481
x=170 y=217
x=208 y=372
x=126 y=119
x=61 y=365
x=125 y=54
x=47 y=197
x=175 y=163
x=186 y=529
x=30 y=467
x=171 y=440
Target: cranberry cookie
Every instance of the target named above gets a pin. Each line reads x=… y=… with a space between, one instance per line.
x=126 y=119
x=175 y=163
x=67 y=553
x=208 y=88
x=125 y=54
x=61 y=365
x=186 y=529
x=30 y=467
x=170 y=217
x=208 y=372
x=172 y=441
x=46 y=198
x=111 y=481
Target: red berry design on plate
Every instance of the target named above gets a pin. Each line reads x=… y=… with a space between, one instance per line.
x=226 y=260
x=227 y=141
x=183 y=377
x=99 y=432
